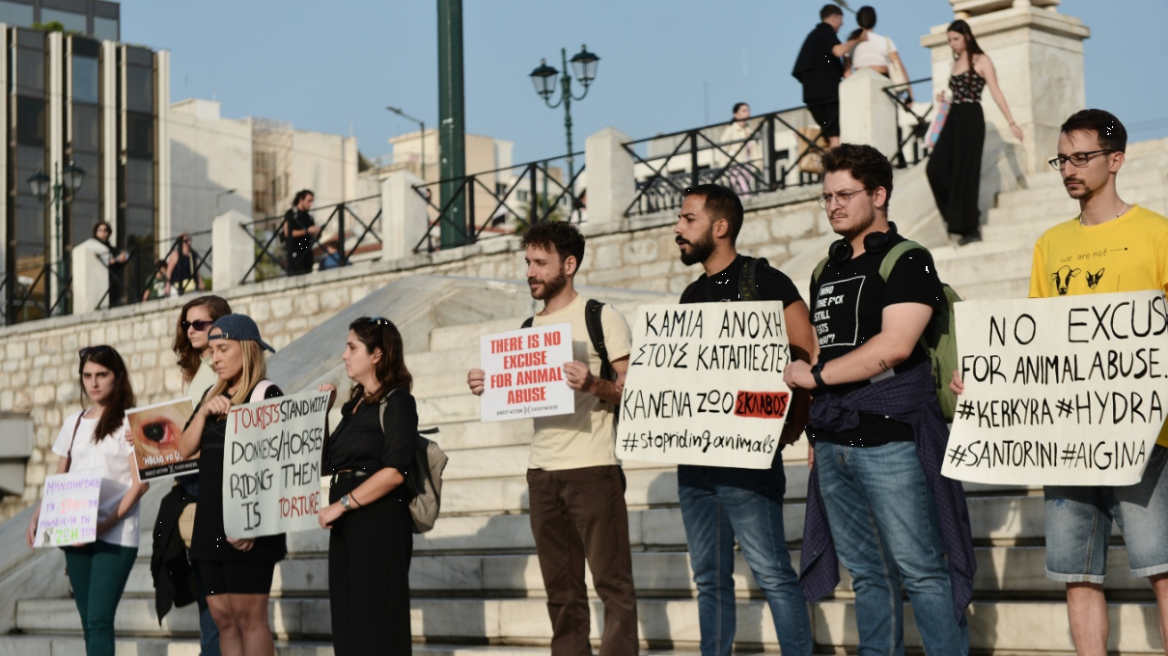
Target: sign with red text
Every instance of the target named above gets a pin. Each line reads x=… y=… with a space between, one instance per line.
x=525 y=373
x=705 y=385
x=1059 y=391
x=156 y=430
x=271 y=465
x=69 y=509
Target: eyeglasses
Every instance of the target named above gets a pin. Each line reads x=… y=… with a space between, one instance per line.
x=199 y=325
x=1078 y=159
x=381 y=321
x=842 y=197
x=90 y=351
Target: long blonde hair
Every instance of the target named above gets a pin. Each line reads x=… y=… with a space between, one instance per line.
x=255 y=369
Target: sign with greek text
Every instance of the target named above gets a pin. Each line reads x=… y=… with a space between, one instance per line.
x=705 y=385
x=156 y=430
x=525 y=373
x=69 y=509
x=271 y=465
x=1059 y=391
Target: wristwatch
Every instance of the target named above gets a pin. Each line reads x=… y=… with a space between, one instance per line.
x=345 y=502
x=817 y=374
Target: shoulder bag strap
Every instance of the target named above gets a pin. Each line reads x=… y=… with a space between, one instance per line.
x=257 y=393
x=69 y=453
x=592 y=312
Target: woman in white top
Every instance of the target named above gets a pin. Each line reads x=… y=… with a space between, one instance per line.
x=95 y=439
x=877 y=52
x=736 y=140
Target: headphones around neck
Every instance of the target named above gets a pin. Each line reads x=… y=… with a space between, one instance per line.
x=874 y=242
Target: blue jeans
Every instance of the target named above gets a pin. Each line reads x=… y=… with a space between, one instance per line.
x=884 y=524
x=717 y=504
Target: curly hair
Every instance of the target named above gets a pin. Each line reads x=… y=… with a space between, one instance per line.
x=559 y=236
x=866 y=164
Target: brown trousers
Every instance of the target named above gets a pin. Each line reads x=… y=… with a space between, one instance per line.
x=579 y=515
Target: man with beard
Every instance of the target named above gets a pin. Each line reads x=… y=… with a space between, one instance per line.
x=1113 y=246
x=574 y=479
x=875 y=494
x=719 y=504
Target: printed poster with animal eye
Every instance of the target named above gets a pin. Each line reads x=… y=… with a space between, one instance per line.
x=1059 y=391
x=156 y=430
x=705 y=385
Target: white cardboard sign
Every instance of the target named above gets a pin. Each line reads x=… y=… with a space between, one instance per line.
x=705 y=385
x=271 y=465
x=1059 y=391
x=69 y=509
x=525 y=373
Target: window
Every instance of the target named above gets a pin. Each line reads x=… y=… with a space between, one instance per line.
x=105 y=29
x=15 y=14
x=140 y=183
x=30 y=121
x=139 y=89
x=91 y=183
x=73 y=22
x=86 y=128
x=139 y=228
x=82 y=216
x=85 y=80
x=140 y=135
x=30 y=71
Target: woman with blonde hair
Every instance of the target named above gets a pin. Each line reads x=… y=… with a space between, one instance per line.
x=236 y=573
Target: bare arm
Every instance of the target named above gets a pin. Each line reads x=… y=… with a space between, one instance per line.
x=129 y=499
x=985 y=68
x=846 y=47
x=581 y=379
x=894 y=56
x=171 y=263
x=803 y=348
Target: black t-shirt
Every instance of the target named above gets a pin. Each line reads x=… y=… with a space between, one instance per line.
x=298 y=220
x=772 y=284
x=359 y=443
x=817 y=68
x=209 y=540
x=847 y=307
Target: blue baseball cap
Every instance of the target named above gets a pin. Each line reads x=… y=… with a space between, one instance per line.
x=239 y=327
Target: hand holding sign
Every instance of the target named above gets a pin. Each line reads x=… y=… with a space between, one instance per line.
x=527 y=373
x=68 y=512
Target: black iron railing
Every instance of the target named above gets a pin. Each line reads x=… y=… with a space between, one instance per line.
x=140 y=276
x=912 y=121
x=273 y=247
x=772 y=151
x=37 y=292
x=523 y=194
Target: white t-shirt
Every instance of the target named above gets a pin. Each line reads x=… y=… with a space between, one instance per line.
x=873 y=52
x=112 y=457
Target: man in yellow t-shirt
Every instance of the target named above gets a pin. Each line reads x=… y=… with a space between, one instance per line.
x=575 y=482
x=1112 y=246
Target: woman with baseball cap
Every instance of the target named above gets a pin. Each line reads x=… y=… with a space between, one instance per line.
x=237 y=573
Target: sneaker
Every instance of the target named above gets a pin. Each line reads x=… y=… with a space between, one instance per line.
x=965 y=240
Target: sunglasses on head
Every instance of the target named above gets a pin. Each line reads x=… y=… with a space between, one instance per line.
x=199 y=325
x=381 y=321
x=90 y=351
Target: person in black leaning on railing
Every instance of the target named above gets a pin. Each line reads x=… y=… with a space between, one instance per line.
x=117 y=261
x=368 y=455
x=298 y=232
x=819 y=69
x=182 y=268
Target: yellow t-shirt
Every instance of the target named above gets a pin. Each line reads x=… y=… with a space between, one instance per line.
x=586 y=438
x=1127 y=254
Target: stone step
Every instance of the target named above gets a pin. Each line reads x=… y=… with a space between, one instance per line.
x=1133 y=182
x=1017 y=287
x=1139 y=160
x=435 y=385
x=999 y=626
x=1047 y=214
x=467 y=335
x=447 y=361
x=984 y=261
x=56 y=645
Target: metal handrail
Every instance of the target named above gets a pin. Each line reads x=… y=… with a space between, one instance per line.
x=920 y=128
x=17 y=304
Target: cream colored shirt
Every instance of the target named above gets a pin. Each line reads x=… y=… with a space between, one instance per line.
x=204 y=378
x=586 y=438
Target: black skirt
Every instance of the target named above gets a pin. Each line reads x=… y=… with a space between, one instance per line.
x=954 y=168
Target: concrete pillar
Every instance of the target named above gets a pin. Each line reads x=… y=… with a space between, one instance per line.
x=1038 y=55
x=612 y=185
x=867 y=113
x=404 y=218
x=233 y=250
x=90 y=276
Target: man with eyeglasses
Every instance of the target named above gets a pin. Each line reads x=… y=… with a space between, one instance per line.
x=875 y=495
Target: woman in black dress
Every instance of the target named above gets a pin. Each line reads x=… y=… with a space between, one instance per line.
x=371 y=540
x=954 y=167
x=236 y=573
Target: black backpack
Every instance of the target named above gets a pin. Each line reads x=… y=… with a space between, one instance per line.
x=747 y=280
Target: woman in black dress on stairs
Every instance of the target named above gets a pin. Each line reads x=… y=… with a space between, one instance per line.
x=954 y=167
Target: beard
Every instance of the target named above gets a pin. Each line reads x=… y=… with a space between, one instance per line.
x=699 y=251
x=550 y=287
x=1084 y=192
x=861 y=226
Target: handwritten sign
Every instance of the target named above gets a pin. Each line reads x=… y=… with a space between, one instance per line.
x=156 y=430
x=69 y=509
x=1059 y=391
x=271 y=465
x=525 y=373
x=705 y=385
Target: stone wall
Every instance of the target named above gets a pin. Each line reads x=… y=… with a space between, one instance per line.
x=40 y=358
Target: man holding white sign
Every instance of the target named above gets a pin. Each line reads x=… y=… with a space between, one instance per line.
x=575 y=481
x=1112 y=246
x=721 y=503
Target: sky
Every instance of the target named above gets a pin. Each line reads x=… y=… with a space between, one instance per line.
x=666 y=65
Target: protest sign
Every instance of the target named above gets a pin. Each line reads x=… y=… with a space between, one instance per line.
x=705 y=385
x=156 y=430
x=525 y=373
x=1059 y=391
x=69 y=509
x=271 y=465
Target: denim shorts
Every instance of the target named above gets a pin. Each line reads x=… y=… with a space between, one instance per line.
x=1078 y=526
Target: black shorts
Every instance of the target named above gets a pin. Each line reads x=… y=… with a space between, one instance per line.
x=826 y=115
x=235 y=577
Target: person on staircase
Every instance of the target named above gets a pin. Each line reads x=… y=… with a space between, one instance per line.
x=819 y=69
x=575 y=481
x=719 y=504
x=1079 y=519
x=371 y=532
x=954 y=168
x=94 y=438
x=236 y=573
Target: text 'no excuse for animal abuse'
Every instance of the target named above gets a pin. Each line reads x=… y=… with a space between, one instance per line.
x=737 y=340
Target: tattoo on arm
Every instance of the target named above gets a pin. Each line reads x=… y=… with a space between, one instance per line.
x=883 y=366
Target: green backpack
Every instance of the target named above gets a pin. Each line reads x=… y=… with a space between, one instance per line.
x=940 y=337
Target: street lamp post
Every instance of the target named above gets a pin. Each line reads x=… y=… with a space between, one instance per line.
x=544 y=77
x=62 y=192
x=399 y=112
